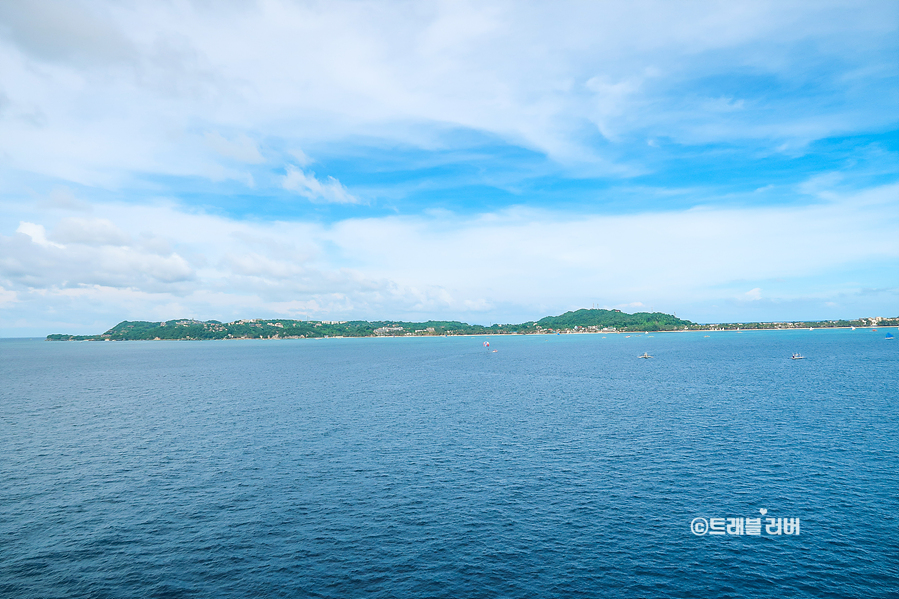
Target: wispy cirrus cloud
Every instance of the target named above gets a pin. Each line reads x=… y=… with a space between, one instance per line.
x=305 y=184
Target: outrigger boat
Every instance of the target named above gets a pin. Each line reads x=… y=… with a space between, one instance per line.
x=645 y=355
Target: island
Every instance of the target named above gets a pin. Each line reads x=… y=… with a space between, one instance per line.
x=574 y=322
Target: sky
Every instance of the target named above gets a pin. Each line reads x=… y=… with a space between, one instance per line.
x=490 y=162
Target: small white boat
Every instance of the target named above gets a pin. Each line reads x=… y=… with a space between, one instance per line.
x=797 y=357
x=645 y=355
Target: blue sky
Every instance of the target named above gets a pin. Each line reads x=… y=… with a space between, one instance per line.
x=487 y=162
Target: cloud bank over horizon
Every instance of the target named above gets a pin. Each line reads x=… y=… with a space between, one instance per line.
x=488 y=162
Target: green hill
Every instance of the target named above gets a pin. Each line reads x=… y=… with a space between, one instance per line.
x=640 y=321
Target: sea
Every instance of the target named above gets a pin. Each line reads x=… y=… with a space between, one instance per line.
x=540 y=466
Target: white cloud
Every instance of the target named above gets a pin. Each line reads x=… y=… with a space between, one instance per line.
x=753 y=295
x=688 y=254
x=330 y=191
x=300 y=157
x=252 y=264
x=7 y=297
x=95 y=231
x=95 y=255
x=37 y=234
x=505 y=265
x=122 y=87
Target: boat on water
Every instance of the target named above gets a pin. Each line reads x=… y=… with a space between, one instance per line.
x=645 y=355
x=889 y=337
x=797 y=357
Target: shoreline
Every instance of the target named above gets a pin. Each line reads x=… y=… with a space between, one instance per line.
x=603 y=333
x=583 y=321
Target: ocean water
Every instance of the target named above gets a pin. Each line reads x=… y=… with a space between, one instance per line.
x=558 y=466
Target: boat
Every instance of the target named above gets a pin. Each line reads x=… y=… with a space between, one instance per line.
x=889 y=337
x=645 y=355
x=797 y=357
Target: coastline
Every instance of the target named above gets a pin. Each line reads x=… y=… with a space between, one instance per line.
x=577 y=322
x=498 y=334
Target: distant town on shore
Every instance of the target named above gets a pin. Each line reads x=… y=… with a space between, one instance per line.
x=578 y=321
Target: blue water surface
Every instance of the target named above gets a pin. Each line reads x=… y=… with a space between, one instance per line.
x=558 y=466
